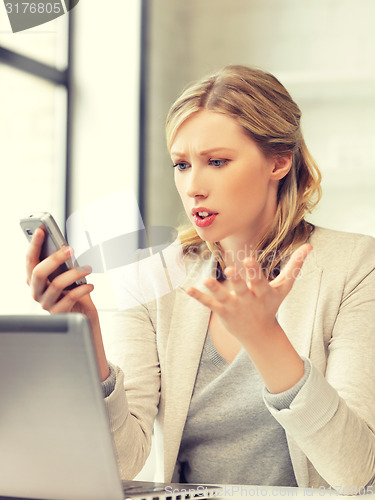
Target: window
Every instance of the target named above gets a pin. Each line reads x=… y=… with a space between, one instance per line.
x=34 y=96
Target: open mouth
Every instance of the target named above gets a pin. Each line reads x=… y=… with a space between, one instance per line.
x=204 y=219
x=203 y=215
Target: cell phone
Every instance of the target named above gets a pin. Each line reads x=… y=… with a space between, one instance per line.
x=53 y=241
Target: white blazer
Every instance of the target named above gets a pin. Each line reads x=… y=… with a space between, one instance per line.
x=329 y=317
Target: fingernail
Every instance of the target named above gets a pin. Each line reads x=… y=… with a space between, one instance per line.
x=85 y=269
x=229 y=272
x=68 y=251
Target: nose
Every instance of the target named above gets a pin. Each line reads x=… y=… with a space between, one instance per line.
x=196 y=186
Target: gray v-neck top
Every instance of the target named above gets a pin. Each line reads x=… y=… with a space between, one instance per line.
x=230 y=437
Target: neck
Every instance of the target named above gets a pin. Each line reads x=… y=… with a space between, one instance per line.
x=234 y=251
x=236 y=247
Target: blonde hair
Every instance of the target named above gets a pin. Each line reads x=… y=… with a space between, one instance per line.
x=269 y=116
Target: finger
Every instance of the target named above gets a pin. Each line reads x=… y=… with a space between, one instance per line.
x=33 y=252
x=258 y=283
x=40 y=273
x=67 y=303
x=237 y=280
x=284 y=282
x=206 y=300
x=217 y=289
x=57 y=286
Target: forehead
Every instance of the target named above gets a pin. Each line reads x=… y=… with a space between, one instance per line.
x=208 y=129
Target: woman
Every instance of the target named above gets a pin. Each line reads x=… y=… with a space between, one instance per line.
x=251 y=375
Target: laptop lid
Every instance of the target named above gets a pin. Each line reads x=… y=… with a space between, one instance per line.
x=55 y=441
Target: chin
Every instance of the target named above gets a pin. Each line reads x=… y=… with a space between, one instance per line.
x=210 y=236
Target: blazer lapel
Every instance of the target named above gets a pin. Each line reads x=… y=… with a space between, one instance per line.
x=186 y=338
x=296 y=316
x=297 y=312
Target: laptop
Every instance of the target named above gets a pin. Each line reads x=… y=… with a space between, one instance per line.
x=55 y=441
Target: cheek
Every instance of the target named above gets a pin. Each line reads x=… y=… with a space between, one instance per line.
x=178 y=182
x=240 y=188
x=246 y=191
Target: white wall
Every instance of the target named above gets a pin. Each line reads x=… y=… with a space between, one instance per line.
x=321 y=50
x=105 y=98
x=105 y=121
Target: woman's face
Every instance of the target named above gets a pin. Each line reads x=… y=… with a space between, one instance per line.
x=227 y=185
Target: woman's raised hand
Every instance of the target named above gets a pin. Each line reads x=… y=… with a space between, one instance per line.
x=248 y=306
x=247 y=309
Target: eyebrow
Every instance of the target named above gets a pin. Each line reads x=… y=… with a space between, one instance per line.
x=206 y=152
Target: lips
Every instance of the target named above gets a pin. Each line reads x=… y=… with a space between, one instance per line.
x=203 y=209
x=206 y=220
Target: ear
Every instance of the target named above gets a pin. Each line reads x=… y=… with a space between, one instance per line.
x=281 y=166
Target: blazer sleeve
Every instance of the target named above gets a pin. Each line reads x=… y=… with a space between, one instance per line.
x=332 y=418
x=133 y=404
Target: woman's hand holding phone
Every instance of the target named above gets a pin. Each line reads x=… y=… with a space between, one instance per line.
x=53 y=296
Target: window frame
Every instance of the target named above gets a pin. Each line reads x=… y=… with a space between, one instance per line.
x=58 y=77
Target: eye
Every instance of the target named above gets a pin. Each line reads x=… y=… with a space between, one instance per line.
x=182 y=165
x=217 y=163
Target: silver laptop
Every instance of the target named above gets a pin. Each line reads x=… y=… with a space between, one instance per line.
x=55 y=441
